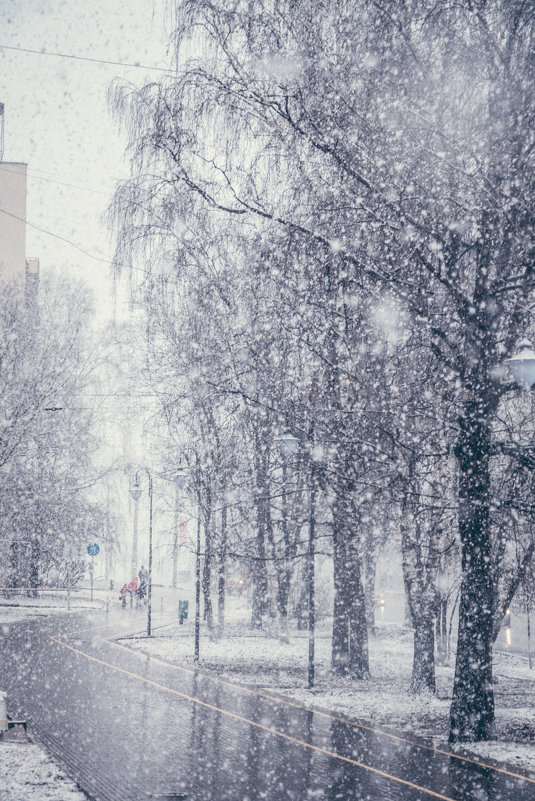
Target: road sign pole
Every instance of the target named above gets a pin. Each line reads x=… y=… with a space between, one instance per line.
x=149 y=587
x=93 y=550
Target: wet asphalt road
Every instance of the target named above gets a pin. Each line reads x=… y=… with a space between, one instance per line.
x=128 y=727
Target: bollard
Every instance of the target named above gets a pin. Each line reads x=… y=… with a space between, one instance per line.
x=3 y=712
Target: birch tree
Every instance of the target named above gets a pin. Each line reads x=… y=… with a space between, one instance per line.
x=397 y=143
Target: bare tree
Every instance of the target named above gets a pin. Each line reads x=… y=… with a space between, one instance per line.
x=396 y=145
x=48 y=435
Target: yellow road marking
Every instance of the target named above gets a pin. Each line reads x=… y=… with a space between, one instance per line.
x=281 y=700
x=321 y=713
x=268 y=729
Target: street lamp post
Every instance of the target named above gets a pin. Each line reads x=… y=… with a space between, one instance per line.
x=197 y=590
x=181 y=478
x=176 y=534
x=311 y=577
x=135 y=492
x=197 y=635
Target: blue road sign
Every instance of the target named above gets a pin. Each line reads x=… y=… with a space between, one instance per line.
x=93 y=549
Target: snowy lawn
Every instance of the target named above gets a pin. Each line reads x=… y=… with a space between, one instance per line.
x=254 y=658
x=18 y=607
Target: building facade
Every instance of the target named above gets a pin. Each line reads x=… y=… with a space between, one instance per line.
x=13 y=193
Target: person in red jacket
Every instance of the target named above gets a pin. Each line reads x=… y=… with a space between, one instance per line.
x=132 y=589
x=122 y=595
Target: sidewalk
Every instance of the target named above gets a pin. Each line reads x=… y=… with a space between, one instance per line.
x=27 y=773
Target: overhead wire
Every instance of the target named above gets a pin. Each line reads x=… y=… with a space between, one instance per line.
x=76 y=58
x=70 y=242
x=87 y=58
x=5 y=168
x=56 y=236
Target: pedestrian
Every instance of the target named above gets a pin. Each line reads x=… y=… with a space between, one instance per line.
x=122 y=595
x=143 y=577
x=132 y=588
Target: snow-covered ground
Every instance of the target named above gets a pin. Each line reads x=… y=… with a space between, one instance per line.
x=383 y=700
x=21 y=606
x=28 y=774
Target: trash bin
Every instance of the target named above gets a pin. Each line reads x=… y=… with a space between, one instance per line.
x=182 y=611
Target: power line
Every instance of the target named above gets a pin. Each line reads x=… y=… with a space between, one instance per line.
x=54 y=173
x=85 y=58
x=56 y=236
x=55 y=181
x=69 y=242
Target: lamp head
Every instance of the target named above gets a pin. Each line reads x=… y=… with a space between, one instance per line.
x=181 y=477
x=135 y=491
x=288 y=445
x=522 y=364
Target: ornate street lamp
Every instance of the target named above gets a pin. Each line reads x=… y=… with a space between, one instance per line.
x=288 y=445
x=522 y=364
x=179 y=479
x=135 y=492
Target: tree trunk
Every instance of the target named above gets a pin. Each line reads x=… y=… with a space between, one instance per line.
x=301 y=608
x=35 y=555
x=369 y=579
x=423 y=663
x=358 y=624
x=472 y=708
x=407 y=603
x=207 y=572
x=419 y=581
x=259 y=577
x=222 y=563
x=283 y=590
x=283 y=565
x=263 y=525
x=441 y=630
x=258 y=597
x=349 y=654
x=340 y=634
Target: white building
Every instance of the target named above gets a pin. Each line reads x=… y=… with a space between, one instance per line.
x=13 y=192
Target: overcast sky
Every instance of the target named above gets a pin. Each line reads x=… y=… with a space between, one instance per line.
x=57 y=118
